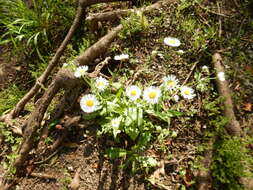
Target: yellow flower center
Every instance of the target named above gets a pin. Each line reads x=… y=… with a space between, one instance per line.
x=152 y=95
x=172 y=41
x=170 y=83
x=187 y=92
x=89 y=103
x=133 y=93
x=100 y=83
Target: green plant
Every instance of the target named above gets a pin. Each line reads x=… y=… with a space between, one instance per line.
x=9 y=98
x=35 y=28
x=231 y=161
x=14 y=143
x=136 y=22
x=126 y=117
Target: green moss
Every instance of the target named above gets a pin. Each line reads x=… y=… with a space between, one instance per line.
x=9 y=98
x=231 y=160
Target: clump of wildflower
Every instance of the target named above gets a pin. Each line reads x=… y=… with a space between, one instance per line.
x=170 y=82
x=133 y=92
x=101 y=83
x=89 y=103
x=121 y=57
x=81 y=71
x=171 y=41
x=152 y=94
x=187 y=92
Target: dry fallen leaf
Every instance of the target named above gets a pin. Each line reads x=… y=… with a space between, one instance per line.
x=247 y=107
x=249 y=69
x=188 y=178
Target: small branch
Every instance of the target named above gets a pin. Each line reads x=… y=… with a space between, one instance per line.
x=190 y=73
x=220 y=23
x=108 y=16
x=48 y=158
x=99 y=67
x=42 y=175
x=209 y=11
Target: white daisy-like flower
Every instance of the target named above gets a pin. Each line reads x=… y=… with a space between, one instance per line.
x=152 y=94
x=176 y=98
x=205 y=68
x=173 y=42
x=170 y=82
x=133 y=92
x=180 y=51
x=187 y=92
x=115 y=122
x=89 y=103
x=121 y=57
x=81 y=71
x=101 y=83
x=221 y=76
x=65 y=65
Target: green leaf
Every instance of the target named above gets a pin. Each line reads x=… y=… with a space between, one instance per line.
x=132 y=131
x=115 y=152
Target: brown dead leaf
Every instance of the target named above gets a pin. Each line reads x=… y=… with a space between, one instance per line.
x=188 y=178
x=249 y=69
x=247 y=107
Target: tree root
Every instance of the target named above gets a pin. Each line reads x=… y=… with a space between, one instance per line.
x=233 y=126
x=42 y=79
x=65 y=80
x=83 y=4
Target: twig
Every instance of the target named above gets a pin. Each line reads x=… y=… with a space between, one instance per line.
x=219 y=14
x=42 y=175
x=112 y=15
x=190 y=73
x=99 y=67
x=220 y=27
x=48 y=158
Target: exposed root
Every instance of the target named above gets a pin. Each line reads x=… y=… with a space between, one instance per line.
x=42 y=79
x=83 y=4
x=99 y=48
x=69 y=122
x=64 y=79
x=233 y=127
